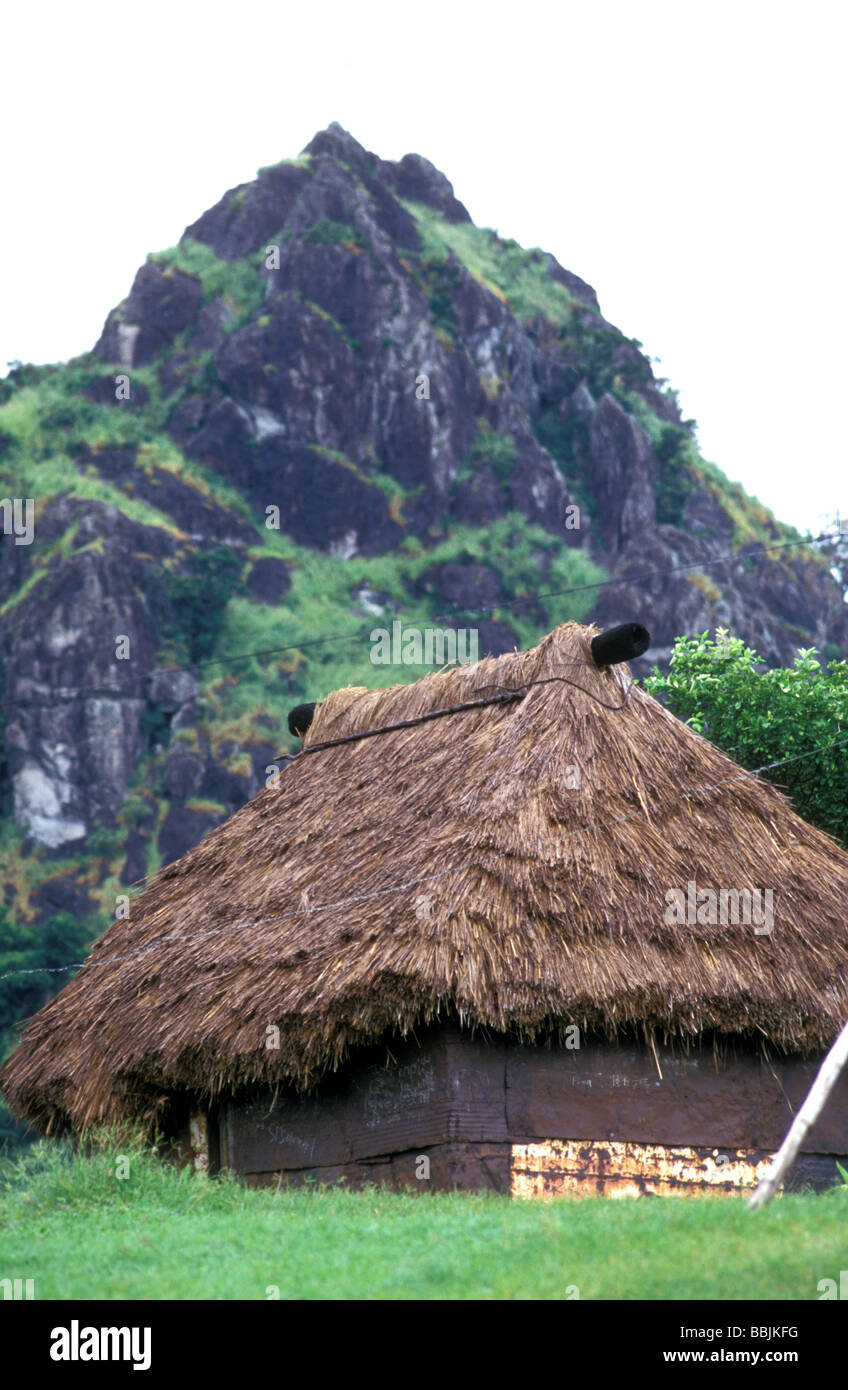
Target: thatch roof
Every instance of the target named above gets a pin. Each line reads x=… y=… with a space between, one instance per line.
x=452 y=868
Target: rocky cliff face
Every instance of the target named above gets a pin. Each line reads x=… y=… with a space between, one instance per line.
x=336 y=402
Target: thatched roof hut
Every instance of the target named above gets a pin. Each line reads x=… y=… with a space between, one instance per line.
x=504 y=867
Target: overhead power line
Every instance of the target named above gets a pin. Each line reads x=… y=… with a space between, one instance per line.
x=522 y=600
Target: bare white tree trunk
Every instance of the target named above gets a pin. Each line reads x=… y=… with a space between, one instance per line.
x=804 y=1121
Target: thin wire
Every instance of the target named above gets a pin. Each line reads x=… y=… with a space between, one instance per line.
x=231 y=927
x=517 y=694
x=409 y=883
x=511 y=603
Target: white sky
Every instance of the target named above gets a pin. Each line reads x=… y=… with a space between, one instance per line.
x=686 y=158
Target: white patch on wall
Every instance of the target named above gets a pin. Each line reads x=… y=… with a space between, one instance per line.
x=58 y=638
x=367 y=599
x=346 y=547
x=127 y=335
x=38 y=802
x=483 y=350
x=265 y=423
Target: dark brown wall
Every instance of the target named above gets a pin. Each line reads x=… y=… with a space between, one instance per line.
x=607 y=1092
x=463 y=1100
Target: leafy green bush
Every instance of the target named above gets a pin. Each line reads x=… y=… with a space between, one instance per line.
x=516 y=276
x=39 y=950
x=241 y=282
x=197 y=595
x=36 y=951
x=493 y=450
x=758 y=717
x=155 y=727
x=329 y=233
x=567 y=442
x=609 y=361
x=677 y=481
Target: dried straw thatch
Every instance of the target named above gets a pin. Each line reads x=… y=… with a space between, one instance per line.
x=453 y=868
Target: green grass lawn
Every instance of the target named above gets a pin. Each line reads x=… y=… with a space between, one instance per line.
x=161 y=1233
